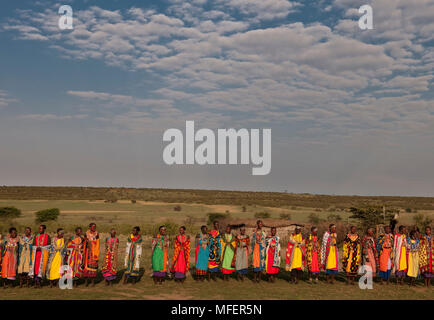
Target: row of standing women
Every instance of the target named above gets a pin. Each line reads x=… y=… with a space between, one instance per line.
x=31 y=259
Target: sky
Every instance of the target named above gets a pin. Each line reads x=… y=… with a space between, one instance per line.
x=351 y=111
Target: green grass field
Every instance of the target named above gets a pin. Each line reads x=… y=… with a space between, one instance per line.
x=233 y=290
x=150 y=213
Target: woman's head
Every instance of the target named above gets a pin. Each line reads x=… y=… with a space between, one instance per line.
x=162 y=230
x=13 y=232
x=60 y=232
x=136 y=230
x=182 y=230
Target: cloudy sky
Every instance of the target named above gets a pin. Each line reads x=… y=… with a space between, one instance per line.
x=351 y=111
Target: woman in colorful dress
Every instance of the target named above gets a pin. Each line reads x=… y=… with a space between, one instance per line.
x=56 y=258
x=133 y=253
x=313 y=254
x=110 y=267
x=160 y=247
x=426 y=256
x=1 y=253
x=369 y=249
x=181 y=256
x=25 y=254
x=400 y=254
x=215 y=251
x=40 y=253
x=296 y=255
x=385 y=250
x=329 y=253
x=242 y=254
x=413 y=257
x=10 y=257
x=272 y=257
x=91 y=254
x=258 y=251
x=351 y=254
x=228 y=253
x=75 y=251
x=202 y=254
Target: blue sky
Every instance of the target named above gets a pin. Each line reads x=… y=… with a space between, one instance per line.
x=351 y=111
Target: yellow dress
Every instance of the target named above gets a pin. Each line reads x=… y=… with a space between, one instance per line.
x=56 y=263
x=297 y=258
x=403 y=259
x=331 y=259
x=413 y=260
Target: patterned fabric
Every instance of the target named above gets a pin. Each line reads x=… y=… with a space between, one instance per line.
x=351 y=254
x=202 y=254
x=75 y=251
x=133 y=253
x=215 y=250
x=10 y=258
x=91 y=254
x=426 y=254
x=56 y=258
x=181 y=255
x=258 y=250
x=272 y=254
x=413 y=257
x=228 y=254
x=40 y=253
x=399 y=253
x=370 y=253
x=25 y=254
x=242 y=252
x=110 y=267
x=329 y=242
x=313 y=253
x=295 y=252
x=385 y=253
x=1 y=253
x=160 y=261
x=200 y=272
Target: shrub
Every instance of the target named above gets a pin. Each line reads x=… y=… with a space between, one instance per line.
x=262 y=215
x=111 y=198
x=314 y=218
x=371 y=216
x=422 y=221
x=177 y=208
x=133 y=201
x=244 y=209
x=216 y=216
x=172 y=228
x=334 y=217
x=408 y=210
x=47 y=215
x=9 y=212
x=285 y=216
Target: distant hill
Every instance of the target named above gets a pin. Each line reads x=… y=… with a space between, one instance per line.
x=271 y=199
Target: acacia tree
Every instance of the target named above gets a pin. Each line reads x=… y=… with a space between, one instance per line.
x=372 y=216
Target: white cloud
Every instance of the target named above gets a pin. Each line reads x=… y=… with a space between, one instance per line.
x=5 y=100
x=335 y=79
x=50 y=116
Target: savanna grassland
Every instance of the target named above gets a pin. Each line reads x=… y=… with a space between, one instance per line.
x=113 y=207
